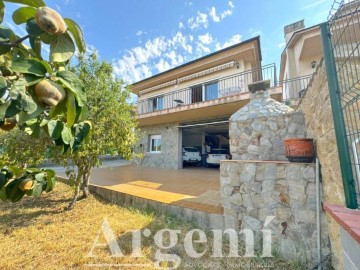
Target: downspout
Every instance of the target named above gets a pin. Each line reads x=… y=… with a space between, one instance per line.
x=356 y=159
x=318 y=213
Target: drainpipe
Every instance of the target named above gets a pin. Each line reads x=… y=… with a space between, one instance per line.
x=318 y=213
x=356 y=159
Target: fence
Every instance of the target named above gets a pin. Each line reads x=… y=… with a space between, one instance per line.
x=226 y=86
x=341 y=41
x=294 y=88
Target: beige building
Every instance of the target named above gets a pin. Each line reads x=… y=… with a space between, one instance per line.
x=301 y=56
x=190 y=105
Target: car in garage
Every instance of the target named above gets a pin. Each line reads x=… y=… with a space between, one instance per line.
x=216 y=155
x=191 y=155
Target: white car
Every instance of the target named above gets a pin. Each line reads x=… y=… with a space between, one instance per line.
x=191 y=155
x=216 y=155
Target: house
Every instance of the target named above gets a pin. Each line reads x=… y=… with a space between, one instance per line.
x=190 y=105
x=302 y=54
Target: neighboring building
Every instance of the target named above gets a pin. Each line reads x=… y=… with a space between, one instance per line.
x=302 y=54
x=190 y=105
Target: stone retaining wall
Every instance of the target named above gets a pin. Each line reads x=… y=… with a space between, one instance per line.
x=253 y=190
x=316 y=107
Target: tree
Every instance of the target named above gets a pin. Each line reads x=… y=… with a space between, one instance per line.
x=113 y=123
x=21 y=150
x=39 y=96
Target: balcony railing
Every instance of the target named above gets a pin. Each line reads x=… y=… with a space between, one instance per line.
x=209 y=90
x=294 y=88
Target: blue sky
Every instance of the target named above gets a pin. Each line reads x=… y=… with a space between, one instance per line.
x=144 y=37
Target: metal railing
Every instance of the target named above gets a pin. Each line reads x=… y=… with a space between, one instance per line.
x=209 y=90
x=341 y=43
x=295 y=88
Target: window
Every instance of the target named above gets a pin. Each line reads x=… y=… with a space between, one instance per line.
x=155 y=143
x=203 y=92
x=196 y=93
x=157 y=103
x=211 y=91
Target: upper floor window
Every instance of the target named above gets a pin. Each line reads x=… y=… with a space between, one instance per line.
x=155 y=143
x=157 y=103
x=211 y=90
x=204 y=92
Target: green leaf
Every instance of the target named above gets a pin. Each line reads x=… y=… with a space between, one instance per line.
x=59 y=109
x=75 y=30
x=82 y=130
x=6 y=35
x=66 y=135
x=71 y=109
x=29 y=66
x=35 y=43
x=62 y=48
x=74 y=84
x=50 y=183
x=55 y=127
x=21 y=15
x=8 y=109
x=36 y=190
x=22 y=99
x=47 y=38
x=32 y=79
x=33 y=29
x=13 y=192
x=3 y=86
x=3 y=180
x=32 y=3
x=2 y=11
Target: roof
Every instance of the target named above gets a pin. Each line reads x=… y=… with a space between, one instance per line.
x=257 y=39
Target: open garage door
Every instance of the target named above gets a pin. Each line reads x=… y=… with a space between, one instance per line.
x=199 y=140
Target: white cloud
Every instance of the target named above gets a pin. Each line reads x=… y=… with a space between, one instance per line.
x=202 y=49
x=217 y=18
x=162 y=65
x=156 y=55
x=213 y=15
x=314 y=4
x=140 y=33
x=233 y=40
x=58 y=8
x=231 y=4
x=281 y=45
x=254 y=32
x=201 y=20
x=206 y=39
x=181 y=25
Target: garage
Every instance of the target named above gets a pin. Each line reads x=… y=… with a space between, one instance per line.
x=205 y=144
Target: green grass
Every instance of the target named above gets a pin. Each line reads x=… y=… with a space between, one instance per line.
x=40 y=234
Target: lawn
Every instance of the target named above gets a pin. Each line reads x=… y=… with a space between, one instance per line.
x=40 y=234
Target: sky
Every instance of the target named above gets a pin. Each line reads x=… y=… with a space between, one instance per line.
x=142 y=38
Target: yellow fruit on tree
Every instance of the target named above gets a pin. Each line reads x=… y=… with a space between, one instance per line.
x=49 y=92
x=26 y=185
x=50 y=21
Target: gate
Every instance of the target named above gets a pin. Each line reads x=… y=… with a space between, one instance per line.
x=341 y=41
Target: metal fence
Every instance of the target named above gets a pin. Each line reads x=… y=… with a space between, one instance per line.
x=341 y=41
x=294 y=88
x=226 y=86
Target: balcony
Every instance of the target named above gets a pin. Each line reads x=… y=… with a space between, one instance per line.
x=215 y=99
x=294 y=89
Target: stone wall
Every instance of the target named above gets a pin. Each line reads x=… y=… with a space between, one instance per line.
x=257 y=131
x=253 y=190
x=319 y=123
x=170 y=151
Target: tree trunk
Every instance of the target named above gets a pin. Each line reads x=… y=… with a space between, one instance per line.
x=75 y=197
x=85 y=184
x=77 y=188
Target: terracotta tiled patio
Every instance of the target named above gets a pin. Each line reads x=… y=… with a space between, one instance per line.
x=194 y=188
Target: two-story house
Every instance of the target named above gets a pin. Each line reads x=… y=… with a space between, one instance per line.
x=301 y=55
x=190 y=105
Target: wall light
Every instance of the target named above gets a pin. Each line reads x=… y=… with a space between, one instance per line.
x=237 y=65
x=313 y=64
